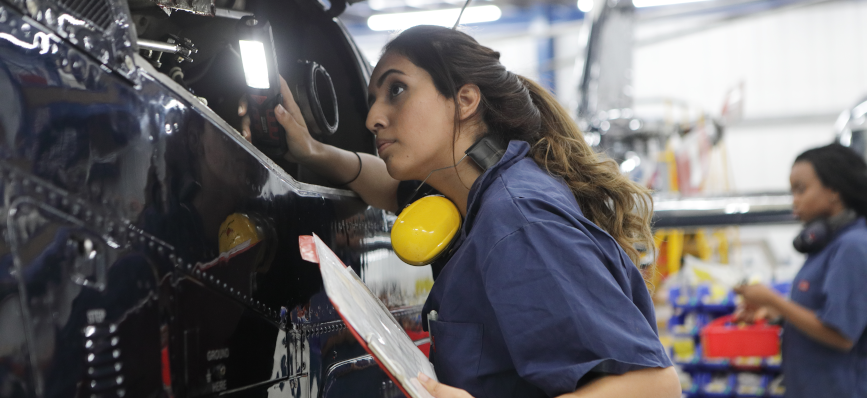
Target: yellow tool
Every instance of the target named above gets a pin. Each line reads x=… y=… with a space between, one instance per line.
x=236 y=230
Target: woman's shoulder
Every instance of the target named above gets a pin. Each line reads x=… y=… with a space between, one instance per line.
x=530 y=187
x=526 y=194
x=856 y=234
x=852 y=240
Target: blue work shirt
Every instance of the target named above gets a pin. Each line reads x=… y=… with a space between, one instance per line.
x=833 y=283
x=536 y=297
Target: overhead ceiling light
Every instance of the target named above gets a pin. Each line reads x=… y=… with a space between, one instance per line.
x=654 y=3
x=585 y=6
x=447 y=18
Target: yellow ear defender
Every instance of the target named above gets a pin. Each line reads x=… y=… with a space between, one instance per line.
x=425 y=229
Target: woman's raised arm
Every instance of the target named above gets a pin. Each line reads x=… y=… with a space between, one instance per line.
x=365 y=173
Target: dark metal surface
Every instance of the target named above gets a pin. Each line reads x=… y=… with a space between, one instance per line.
x=111 y=282
x=204 y=7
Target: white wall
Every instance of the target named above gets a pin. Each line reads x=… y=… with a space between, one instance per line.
x=760 y=156
x=807 y=61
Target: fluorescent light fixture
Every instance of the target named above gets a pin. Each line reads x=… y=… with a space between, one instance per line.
x=859 y=110
x=255 y=67
x=654 y=3
x=447 y=18
x=585 y=6
x=737 y=208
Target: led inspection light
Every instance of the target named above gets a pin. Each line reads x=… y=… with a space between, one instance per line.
x=309 y=83
x=256 y=43
x=255 y=65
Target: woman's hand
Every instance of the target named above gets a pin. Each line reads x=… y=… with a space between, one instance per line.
x=370 y=179
x=757 y=295
x=795 y=315
x=301 y=144
x=440 y=390
x=750 y=313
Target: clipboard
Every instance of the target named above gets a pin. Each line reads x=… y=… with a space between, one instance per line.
x=369 y=320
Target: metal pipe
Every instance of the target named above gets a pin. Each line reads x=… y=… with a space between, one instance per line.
x=158 y=46
x=715 y=211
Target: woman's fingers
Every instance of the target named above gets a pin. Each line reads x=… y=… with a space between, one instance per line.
x=242 y=106
x=760 y=314
x=741 y=314
x=245 y=119
x=289 y=114
x=245 y=129
x=288 y=120
x=439 y=390
x=745 y=313
x=289 y=103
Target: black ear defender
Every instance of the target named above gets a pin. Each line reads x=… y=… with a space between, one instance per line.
x=818 y=233
x=486 y=152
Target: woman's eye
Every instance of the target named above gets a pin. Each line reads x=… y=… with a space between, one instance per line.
x=396 y=89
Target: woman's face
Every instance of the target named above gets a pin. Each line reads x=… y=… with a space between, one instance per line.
x=412 y=121
x=811 y=199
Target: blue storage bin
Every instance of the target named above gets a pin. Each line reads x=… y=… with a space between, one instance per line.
x=719 y=385
x=751 y=385
x=773 y=364
x=775 y=389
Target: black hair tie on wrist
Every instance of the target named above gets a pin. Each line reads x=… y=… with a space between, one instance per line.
x=356 y=174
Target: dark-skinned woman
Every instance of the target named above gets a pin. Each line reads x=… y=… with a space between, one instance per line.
x=824 y=341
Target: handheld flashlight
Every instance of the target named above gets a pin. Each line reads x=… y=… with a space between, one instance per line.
x=256 y=43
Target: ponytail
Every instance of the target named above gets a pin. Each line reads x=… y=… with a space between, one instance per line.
x=609 y=199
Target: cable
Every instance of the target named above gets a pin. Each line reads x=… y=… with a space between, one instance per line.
x=428 y=176
x=461 y=14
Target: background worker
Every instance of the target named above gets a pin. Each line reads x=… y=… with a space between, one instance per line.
x=824 y=341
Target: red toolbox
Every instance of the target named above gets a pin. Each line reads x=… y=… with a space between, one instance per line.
x=722 y=338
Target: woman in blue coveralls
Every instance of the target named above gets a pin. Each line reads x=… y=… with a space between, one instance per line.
x=540 y=295
x=824 y=340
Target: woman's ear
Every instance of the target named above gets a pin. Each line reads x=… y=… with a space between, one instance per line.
x=469 y=96
x=835 y=198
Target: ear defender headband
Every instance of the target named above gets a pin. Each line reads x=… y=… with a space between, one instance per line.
x=818 y=233
x=427 y=228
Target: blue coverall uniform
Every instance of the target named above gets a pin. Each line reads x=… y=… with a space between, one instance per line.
x=833 y=283
x=536 y=300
